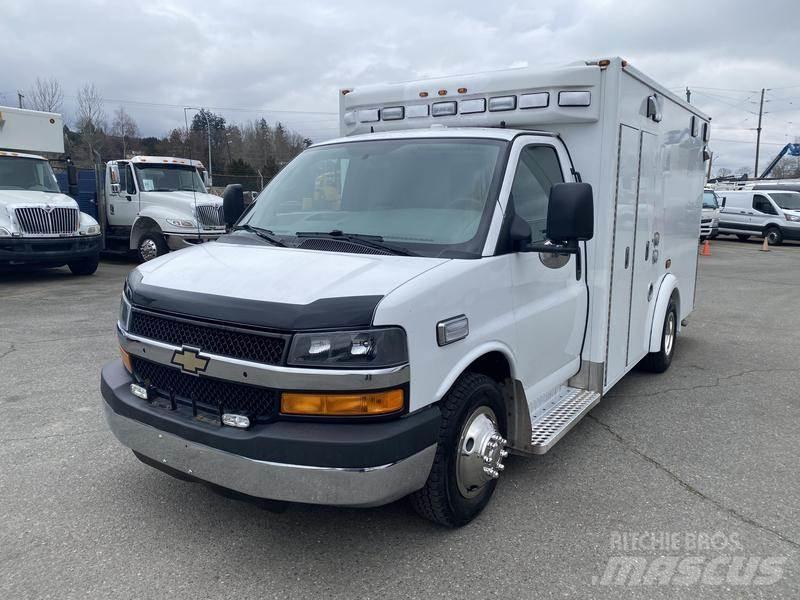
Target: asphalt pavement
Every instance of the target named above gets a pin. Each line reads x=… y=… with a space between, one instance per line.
x=685 y=484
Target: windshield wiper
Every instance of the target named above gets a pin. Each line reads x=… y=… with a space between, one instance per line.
x=264 y=234
x=369 y=241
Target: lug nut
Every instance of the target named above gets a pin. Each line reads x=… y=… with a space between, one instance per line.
x=503 y=453
x=499 y=466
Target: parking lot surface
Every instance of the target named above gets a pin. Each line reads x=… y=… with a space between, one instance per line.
x=700 y=463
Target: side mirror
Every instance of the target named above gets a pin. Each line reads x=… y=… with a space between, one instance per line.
x=72 y=175
x=206 y=179
x=113 y=174
x=723 y=202
x=232 y=203
x=570 y=213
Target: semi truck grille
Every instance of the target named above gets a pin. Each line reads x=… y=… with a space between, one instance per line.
x=210 y=216
x=236 y=343
x=205 y=394
x=38 y=220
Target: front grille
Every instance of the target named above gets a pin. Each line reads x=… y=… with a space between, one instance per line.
x=210 y=216
x=38 y=220
x=236 y=343
x=328 y=245
x=211 y=396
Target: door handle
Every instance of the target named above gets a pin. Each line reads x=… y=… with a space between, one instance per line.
x=627 y=256
x=742 y=212
x=647 y=251
x=129 y=198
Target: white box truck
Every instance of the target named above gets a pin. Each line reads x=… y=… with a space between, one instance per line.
x=154 y=204
x=462 y=275
x=39 y=226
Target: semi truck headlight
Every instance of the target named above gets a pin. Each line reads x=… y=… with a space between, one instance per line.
x=368 y=348
x=181 y=222
x=372 y=403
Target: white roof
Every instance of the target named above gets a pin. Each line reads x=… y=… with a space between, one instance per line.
x=21 y=155
x=167 y=160
x=495 y=133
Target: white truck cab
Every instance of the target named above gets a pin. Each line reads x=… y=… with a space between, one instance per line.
x=709 y=219
x=159 y=203
x=463 y=274
x=39 y=226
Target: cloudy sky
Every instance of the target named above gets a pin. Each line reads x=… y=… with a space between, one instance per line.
x=286 y=59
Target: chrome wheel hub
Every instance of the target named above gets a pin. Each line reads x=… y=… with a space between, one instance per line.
x=669 y=334
x=481 y=450
x=148 y=249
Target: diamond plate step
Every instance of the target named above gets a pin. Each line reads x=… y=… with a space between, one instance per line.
x=551 y=426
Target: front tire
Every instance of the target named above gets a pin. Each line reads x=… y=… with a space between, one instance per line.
x=469 y=453
x=658 y=362
x=774 y=236
x=151 y=245
x=86 y=266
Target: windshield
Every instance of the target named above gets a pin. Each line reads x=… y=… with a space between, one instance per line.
x=710 y=200
x=426 y=196
x=32 y=174
x=786 y=200
x=168 y=178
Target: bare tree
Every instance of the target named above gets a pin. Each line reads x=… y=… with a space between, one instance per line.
x=46 y=95
x=124 y=127
x=91 y=117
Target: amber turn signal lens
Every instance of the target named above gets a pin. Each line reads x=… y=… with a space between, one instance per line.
x=377 y=403
x=126 y=360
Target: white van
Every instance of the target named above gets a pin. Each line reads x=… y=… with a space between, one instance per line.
x=773 y=214
x=463 y=274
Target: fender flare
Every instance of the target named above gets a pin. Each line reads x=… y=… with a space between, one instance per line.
x=140 y=225
x=668 y=285
x=469 y=358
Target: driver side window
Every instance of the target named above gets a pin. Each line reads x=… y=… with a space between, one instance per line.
x=537 y=170
x=763 y=205
x=130 y=186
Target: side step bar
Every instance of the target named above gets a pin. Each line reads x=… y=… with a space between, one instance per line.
x=563 y=416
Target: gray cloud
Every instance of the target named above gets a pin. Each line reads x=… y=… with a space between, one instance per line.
x=294 y=56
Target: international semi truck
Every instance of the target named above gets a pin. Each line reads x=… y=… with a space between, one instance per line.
x=489 y=256
x=154 y=204
x=40 y=226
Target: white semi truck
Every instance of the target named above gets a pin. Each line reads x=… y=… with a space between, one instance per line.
x=154 y=204
x=40 y=226
x=489 y=256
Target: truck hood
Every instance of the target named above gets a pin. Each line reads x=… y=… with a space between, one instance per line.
x=253 y=282
x=180 y=198
x=30 y=198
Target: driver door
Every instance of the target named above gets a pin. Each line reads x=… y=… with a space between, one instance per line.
x=549 y=299
x=123 y=207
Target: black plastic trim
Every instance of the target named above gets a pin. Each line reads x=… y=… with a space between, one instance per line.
x=336 y=445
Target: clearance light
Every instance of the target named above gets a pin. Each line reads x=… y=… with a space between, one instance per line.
x=417 y=110
x=393 y=113
x=442 y=92
x=443 y=109
x=574 y=98
x=502 y=103
x=539 y=100
x=368 y=115
x=472 y=106
x=462 y=90
x=377 y=403
x=423 y=94
x=126 y=360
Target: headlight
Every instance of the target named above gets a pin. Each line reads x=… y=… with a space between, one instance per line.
x=792 y=218
x=369 y=348
x=181 y=222
x=124 y=313
x=93 y=230
x=4 y=232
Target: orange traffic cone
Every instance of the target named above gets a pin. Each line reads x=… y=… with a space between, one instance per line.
x=706 y=251
x=765 y=244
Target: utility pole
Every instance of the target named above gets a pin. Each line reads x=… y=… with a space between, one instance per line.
x=758 y=134
x=688 y=94
x=20 y=96
x=208 y=127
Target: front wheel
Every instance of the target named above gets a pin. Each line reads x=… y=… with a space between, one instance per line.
x=86 y=266
x=469 y=453
x=151 y=245
x=658 y=362
x=774 y=236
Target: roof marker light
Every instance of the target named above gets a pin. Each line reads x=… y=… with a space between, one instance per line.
x=442 y=92
x=538 y=100
x=500 y=103
x=417 y=110
x=368 y=115
x=443 y=109
x=392 y=113
x=574 y=98
x=423 y=94
x=462 y=90
x=478 y=105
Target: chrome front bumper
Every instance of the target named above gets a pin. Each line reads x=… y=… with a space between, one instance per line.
x=370 y=486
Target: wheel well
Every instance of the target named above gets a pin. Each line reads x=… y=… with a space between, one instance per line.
x=492 y=364
x=140 y=227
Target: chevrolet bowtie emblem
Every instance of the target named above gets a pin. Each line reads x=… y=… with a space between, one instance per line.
x=189 y=360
